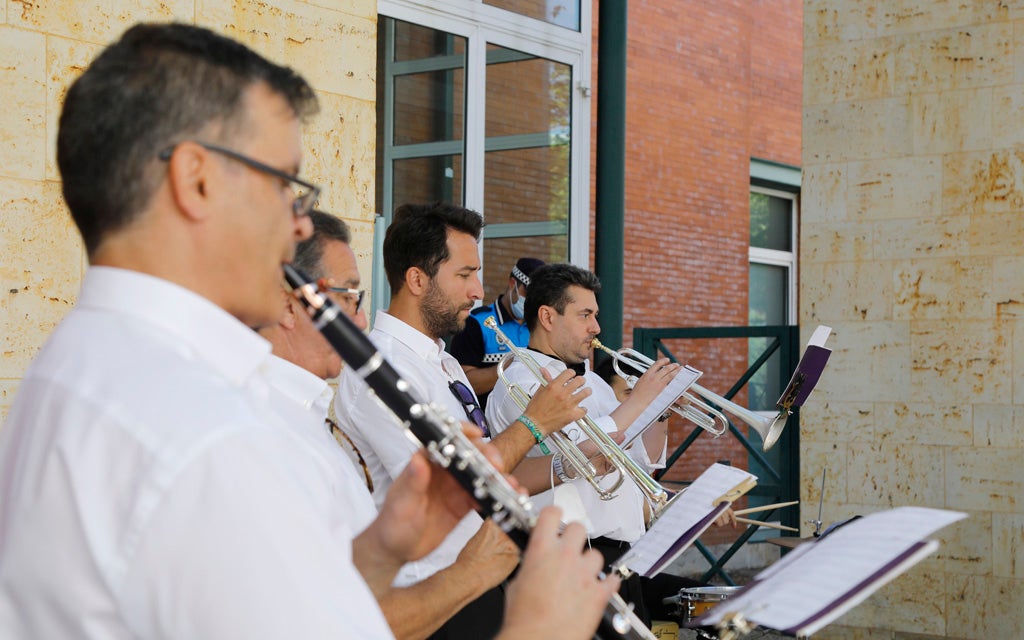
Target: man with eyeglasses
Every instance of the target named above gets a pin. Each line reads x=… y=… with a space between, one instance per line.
x=302 y=363
x=149 y=489
x=432 y=265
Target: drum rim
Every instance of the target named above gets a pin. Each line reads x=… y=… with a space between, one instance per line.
x=713 y=590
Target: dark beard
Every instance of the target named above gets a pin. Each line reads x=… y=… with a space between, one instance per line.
x=440 y=317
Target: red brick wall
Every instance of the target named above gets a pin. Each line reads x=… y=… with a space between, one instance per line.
x=525 y=185
x=711 y=84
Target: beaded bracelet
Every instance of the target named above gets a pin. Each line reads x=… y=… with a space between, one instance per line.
x=537 y=435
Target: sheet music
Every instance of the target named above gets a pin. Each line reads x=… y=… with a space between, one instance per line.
x=687 y=376
x=690 y=513
x=808 y=370
x=819 y=336
x=819 y=581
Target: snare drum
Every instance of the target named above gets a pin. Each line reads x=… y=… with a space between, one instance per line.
x=695 y=601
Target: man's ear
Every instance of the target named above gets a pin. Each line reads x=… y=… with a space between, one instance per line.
x=545 y=317
x=188 y=178
x=416 y=280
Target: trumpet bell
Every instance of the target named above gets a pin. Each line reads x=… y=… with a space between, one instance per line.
x=770 y=429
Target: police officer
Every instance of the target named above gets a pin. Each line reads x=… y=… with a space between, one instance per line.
x=476 y=347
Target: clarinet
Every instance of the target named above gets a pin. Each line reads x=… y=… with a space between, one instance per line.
x=443 y=439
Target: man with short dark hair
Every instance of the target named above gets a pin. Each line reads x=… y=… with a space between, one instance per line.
x=477 y=347
x=431 y=261
x=149 y=488
x=561 y=313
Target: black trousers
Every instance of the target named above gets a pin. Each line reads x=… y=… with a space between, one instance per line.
x=646 y=594
x=631 y=588
x=480 y=619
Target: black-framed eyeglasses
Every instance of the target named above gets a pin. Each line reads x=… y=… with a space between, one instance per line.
x=358 y=293
x=306 y=193
x=469 y=403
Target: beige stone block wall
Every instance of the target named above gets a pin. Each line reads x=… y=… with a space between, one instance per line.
x=45 y=45
x=912 y=249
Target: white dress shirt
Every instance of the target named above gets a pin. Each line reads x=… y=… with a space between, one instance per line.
x=303 y=400
x=622 y=517
x=386 y=447
x=148 y=491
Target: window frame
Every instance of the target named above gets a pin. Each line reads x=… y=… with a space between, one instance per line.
x=483 y=24
x=779 y=181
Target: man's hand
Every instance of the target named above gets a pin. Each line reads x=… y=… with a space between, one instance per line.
x=647 y=388
x=557 y=404
x=422 y=506
x=491 y=554
x=557 y=592
x=601 y=464
x=654 y=380
x=728 y=517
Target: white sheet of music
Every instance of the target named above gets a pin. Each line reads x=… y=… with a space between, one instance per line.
x=680 y=524
x=687 y=376
x=820 y=335
x=819 y=581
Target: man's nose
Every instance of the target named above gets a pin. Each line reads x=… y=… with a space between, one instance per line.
x=360 y=320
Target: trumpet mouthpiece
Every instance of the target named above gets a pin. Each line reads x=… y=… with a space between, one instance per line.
x=596 y=344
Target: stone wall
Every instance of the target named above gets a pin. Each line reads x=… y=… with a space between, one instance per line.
x=45 y=45
x=911 y=249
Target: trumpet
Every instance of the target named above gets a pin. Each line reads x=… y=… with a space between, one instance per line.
x=693 y=409
x=444 y=441
x=769 y=428
x=565 y=446
x=622 y=464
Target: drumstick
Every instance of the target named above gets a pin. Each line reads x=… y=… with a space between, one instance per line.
x=777 y=505
x=770 y=525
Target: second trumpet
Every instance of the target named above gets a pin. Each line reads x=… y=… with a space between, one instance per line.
x=620 y=461
x=701 y=408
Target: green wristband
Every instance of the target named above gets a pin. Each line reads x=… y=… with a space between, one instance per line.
x=537 y=435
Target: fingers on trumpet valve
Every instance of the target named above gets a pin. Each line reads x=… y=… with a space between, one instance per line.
x=614 y=456
x=768 y=427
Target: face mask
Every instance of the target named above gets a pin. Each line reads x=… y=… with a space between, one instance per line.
x=519 y=306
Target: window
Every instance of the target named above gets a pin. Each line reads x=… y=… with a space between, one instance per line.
x=772 y=256
x=526 y=161
x=564 y=13
x=485 y=104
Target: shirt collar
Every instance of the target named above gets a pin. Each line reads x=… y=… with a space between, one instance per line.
x=311 y=391
x=499 y=310
x=420 y=343
x=211 y=334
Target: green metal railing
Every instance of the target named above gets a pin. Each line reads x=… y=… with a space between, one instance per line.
x=778 y=470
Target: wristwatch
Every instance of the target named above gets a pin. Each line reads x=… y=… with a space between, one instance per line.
x=559 y=468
